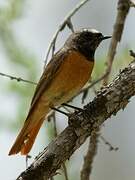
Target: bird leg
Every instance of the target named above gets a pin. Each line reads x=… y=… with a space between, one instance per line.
x=74 y=107
x=58 y=110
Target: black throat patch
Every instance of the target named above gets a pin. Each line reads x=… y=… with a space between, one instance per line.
x=87 y=52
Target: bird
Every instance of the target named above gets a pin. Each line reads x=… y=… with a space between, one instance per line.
x=65 y=75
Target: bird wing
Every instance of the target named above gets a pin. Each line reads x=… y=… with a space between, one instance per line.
x=48 y=75
x=28 y=133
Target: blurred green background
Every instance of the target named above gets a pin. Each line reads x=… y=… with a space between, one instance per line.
x=26 y=28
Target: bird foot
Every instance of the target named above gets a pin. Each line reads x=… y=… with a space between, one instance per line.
x=58 y=110
x=73 y=107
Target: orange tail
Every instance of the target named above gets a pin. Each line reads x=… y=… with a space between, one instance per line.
x=26 y=137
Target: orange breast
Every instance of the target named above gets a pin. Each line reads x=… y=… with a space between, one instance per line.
x=73 y=74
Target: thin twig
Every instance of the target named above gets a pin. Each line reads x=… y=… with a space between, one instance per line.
x=92 y=148
x=56 y=134
x=53 y=117
x=122 y=12
x=111 y=148
x=89 y=157
x=65 y=171
x=86 y=89
x=66 y=21
x=17 y=78
x=93 y=144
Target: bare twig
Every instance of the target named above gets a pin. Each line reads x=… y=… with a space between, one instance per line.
x=91 y=153
x=89 y=157
x=93 y=142
x=111 y=148
x=65 y=171
x=55 y=135
x=123 y=9
x=86 y=89
x=66 y=21
x=17 y=78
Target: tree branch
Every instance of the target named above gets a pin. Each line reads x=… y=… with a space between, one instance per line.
x=90 y=155
x=122 y=12
x=108 y=102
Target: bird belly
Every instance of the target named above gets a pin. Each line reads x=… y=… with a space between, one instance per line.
x=73 y=74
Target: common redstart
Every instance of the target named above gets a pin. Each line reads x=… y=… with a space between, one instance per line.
x=65 y=75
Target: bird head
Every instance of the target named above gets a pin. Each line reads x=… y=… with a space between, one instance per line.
x=86 y=41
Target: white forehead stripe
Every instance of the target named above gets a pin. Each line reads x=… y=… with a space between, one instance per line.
x=91 y=30
x=94 y=31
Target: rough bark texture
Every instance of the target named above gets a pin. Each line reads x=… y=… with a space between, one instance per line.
x=108 y=102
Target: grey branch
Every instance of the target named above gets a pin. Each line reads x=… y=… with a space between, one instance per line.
x=90 y=155
x=108 y=102
x=122 y=12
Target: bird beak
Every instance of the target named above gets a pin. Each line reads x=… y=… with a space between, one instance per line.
x=105 y=37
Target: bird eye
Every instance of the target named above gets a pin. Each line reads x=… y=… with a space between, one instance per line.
x=99 y=35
